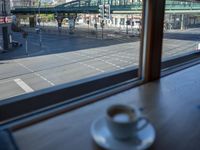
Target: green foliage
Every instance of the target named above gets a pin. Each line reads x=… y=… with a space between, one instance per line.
x=47 y=17
x=37 y=2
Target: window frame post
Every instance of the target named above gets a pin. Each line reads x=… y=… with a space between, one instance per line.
x=152 y=39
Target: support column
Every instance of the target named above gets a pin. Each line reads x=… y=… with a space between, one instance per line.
x=71 y=25
x=32 y=21
x=118 y=22
x=182 y=22
x=59 y=18
x=72 y=19
x=186 y=21
x=195 y=20
x=5 y=38
x=113 y=22
x=126 y=23
x=170 y=22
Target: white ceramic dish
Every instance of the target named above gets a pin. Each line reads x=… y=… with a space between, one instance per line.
x=142 y=140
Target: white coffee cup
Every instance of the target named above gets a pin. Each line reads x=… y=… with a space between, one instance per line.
x=123 y=121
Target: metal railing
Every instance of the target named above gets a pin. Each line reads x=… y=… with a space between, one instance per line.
x=81 y=6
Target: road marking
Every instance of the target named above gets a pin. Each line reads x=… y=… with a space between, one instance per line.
x=23 y=85
x=81 y=63
x=37 y=74
x=42 y=77
x=92 y=67
x=108 y=57
x=107 y=62
x=122 y=56
x=112 y=64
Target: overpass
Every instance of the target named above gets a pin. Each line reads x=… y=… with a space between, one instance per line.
x=116 y=6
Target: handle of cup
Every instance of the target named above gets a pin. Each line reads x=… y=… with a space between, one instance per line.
x=146 y=122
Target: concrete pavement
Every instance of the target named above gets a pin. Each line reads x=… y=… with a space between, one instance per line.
x=68 y=60
x=63 y=59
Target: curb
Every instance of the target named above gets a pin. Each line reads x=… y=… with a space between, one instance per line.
x=82 y=33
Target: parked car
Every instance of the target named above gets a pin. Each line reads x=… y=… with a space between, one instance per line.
x=16 y=44
x=38 y=30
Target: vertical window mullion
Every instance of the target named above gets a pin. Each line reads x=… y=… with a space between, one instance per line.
x=152 y=39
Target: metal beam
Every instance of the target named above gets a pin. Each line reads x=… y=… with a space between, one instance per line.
x=115 y=8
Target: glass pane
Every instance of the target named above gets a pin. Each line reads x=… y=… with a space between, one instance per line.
x=181 y=28
x=1 y=41
x=50 y=49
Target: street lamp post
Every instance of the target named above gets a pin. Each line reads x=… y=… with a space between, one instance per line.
x=39 y=20
x=127 y=24
x=102 y=26
x=25 y=35
x=132 y=24
x=4 y=8
x=5 y=28
x=95 y=25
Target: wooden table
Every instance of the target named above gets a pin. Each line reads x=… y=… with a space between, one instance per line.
x=172 y=104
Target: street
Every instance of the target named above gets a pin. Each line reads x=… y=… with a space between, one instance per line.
x=65 y=58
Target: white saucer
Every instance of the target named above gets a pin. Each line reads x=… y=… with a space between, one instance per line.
x=102 y=136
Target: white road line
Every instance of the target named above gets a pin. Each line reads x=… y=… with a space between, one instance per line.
x=23 y=85
x=87 y=65
x=121 y=55
x=37 y=74
x=107 y=62
x=112 y=64
x=92 y=67
x=84 y=55
x=42 y=77
x=25 y=67
x=108 y=57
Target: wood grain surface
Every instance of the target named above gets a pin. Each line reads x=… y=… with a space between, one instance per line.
x=172 y=104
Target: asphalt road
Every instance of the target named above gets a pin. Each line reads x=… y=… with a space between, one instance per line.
x=64 y=58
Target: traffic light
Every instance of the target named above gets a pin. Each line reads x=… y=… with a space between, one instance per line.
x=101 y=11
x=107 y=11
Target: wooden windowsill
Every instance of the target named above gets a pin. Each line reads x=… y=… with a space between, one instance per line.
x=172 y=104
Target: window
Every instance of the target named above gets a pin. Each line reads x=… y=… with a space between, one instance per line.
x=1 y=41
x=86 y=61
x=181 y=39
x=58 y=64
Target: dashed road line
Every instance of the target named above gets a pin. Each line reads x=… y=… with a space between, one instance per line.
x=23 y=85
x=87 y=65
x=85 y=54
x=92 y=67
x=129 y=62
x=112 y=64
x=122 y=56
x=107 y=62
x=37 y=74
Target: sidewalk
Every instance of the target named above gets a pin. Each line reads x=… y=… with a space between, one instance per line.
x=85 y=32
x=17 y=52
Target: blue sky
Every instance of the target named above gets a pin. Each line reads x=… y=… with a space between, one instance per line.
x=47 y=0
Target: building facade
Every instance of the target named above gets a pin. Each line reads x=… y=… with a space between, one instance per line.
x=58 y=2
x=4 y=7
x=5 y=25
x=24 y=3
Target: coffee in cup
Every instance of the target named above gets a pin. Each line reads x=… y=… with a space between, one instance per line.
x=123 y=121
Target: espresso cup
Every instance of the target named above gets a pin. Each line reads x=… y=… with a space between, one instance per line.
x=124 y=121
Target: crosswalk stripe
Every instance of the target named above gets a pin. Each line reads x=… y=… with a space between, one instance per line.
x=23 y=85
